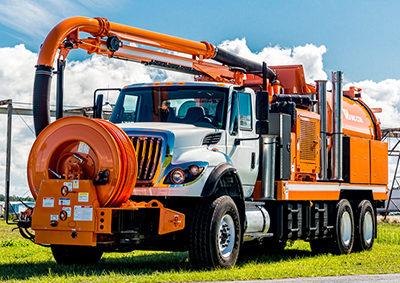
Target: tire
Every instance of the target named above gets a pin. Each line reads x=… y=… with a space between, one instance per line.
x=365 y=229
x=343 y=240
x=215 y=234
x=64 y=254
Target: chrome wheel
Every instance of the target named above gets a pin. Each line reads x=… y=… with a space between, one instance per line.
x=368 y=227
x=346 y=228
x=226 y=235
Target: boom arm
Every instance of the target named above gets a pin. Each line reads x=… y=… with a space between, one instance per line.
x=106 y=39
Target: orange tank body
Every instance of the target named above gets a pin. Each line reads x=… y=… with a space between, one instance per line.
x=358 y=119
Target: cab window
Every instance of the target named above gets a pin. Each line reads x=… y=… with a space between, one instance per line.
x=245 y=116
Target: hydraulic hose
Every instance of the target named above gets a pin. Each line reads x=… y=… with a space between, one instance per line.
x=42 y=85
x=41 y=98
x=233 y=60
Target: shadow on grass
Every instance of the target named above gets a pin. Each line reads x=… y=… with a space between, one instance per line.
x=131 y=264
x=271 y=256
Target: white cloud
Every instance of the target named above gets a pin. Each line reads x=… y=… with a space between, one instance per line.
x=310 y=56
x=82 y=78
x=385 y=95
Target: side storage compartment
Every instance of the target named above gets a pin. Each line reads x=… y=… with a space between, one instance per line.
x=365 y=161
x=379 y=162
x=356 y=160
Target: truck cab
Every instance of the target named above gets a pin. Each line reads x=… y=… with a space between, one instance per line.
x=198 y=124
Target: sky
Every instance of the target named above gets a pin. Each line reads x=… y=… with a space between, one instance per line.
x=356 y=37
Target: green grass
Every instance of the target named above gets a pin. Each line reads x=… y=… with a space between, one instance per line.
x=20 y=260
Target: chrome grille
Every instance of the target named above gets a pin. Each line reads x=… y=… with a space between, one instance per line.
x=148 y=155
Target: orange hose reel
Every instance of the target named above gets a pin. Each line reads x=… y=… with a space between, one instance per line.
x=82 y=148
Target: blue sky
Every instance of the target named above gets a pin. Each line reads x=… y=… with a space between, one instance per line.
x=360 y=36
x=357 y=37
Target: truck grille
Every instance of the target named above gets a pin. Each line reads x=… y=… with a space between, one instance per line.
x=148 y=155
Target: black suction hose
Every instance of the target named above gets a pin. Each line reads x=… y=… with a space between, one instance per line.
x=41 y=97
x=233 y=60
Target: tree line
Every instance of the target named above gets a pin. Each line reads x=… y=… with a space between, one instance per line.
x=16 y=198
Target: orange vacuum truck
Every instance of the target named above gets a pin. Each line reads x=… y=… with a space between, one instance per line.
x=246 y=156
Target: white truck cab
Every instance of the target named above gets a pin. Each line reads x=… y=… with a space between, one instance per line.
x=199 y=124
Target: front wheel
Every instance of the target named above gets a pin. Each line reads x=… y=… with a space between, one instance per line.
x=215 y=234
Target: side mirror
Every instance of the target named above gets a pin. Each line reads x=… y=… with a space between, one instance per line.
x=98 y=107
x=262 y=105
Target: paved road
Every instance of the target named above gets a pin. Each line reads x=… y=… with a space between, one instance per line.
x=381 y=278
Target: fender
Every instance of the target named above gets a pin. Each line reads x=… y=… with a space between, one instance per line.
x=220 y=170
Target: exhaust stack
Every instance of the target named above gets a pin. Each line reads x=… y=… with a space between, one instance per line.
x=337 y=127
x=322 y=111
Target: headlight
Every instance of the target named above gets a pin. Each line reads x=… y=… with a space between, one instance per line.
x=194 y=170
x=177 y=176
x=185 y=174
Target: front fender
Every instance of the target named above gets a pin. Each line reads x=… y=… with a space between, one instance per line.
x=219 y=172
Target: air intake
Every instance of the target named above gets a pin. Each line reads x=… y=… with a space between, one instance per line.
x=212 y=139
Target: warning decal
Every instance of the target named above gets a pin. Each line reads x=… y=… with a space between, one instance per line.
x=64 y=201
x=83 y=197
x=75 y=184
x=54 y=217
x=67 y=210
x=48 y=202
x=83 y=213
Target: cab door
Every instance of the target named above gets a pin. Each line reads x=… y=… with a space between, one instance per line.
x=242 y=142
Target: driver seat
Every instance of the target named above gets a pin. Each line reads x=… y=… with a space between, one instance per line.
x=194 y=114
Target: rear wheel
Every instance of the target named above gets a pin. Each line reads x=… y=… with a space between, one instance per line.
x=215 y=234
x=343 y=240
x=64 y=254
x=365 y=231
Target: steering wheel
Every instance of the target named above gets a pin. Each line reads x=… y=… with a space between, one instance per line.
x=205 y=119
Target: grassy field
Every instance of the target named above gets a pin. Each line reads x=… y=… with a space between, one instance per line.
x=20 y=260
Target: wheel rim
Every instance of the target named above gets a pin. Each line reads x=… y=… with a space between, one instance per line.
x=226 y=235
x=368 y=227
x=346 y=228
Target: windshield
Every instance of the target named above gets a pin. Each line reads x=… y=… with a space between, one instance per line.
x=202 y=106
